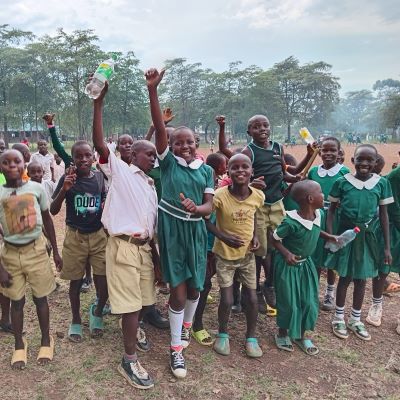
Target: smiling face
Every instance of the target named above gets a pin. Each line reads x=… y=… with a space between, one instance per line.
x=259 y=129
x=35 y=172
x=124 y=147
x=82 y=155
x=183 y=144
x=364 y=161
x=329 y=153
x=2 y=146
x=42 y=147
x=12 y=165
x=240 y=169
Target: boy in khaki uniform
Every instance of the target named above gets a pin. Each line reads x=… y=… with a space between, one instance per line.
x=23 y=213
x=85 y=240
x=129 y=215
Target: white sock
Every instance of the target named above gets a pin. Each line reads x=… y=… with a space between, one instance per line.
x=355 y=314
x=190 y=309
x=175 y=323
x=377 y=301
x=339 y=313
x=330 y=290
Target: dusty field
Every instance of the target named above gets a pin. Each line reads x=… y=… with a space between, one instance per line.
x=349 y=369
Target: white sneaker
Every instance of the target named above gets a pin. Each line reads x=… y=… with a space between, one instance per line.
x=375 y=315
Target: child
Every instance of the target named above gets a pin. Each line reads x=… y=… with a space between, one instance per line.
x=129 y=215
x=326 y=175
x=85 y=239
x=296 y=279
x=341 y=155
x=59 y=168
x=23 y=212
x=359 y=196
x=217 y=161
x=26 y=154
x=35 y=172
x=45 y=158
x=235 y=243
x=188 y=188
x=379 y=282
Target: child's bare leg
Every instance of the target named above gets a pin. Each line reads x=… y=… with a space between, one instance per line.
x=75 y=301
x=251 y=312
x=177 y=298
x=100 y=282
x=224 y=308
x=341 y=291
x=331 y=277
x=129 y=330
x=43 y=313
x=358 y=293
x=88 y=271
x=378 y=285
x=5 y=310
x=198 y=316
x=17 y=320
x=282 y=332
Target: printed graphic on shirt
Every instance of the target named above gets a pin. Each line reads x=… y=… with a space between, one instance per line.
x=241 y=216
x=20 y=213
x=87 y=203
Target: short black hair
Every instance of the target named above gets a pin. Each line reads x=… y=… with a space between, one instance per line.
x=300 y=190
x=368 y=146
x=333 y=139
x=79 y=143
x=214 y=160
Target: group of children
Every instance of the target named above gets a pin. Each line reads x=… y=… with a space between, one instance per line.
x=233 y=215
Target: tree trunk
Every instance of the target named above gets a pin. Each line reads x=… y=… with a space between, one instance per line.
x=36 y=109
x=5 y=121
x=288 y=129
x=125 y=106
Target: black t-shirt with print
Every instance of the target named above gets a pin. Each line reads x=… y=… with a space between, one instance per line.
x=84 y=202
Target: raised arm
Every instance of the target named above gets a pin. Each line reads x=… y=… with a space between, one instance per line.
x=302 y=164
x=153 y=78
x=222 y=143
x=98 y=136
x=58 y=147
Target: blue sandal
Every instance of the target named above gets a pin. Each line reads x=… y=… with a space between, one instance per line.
x=283 y=343
x=73 y=331
x=221 y=344
x=95 y=323
x=307 y=346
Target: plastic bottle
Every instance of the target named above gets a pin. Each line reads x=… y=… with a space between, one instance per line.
x=102 y=74
x=306 y=136
x=344 y=239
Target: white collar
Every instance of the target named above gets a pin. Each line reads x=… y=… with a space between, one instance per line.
x=368 y=184
x=322 y=172
x=136 y=170
x=195 y=164
x=305 y=222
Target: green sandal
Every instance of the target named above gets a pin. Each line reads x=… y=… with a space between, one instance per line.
x=253 y=350
x=202 y=337
x=221 y=344
x=95 y=323
x=73 y=331
x=307 y=346
x=284 y=343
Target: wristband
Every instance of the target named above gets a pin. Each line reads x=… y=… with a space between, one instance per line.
x=51 y=126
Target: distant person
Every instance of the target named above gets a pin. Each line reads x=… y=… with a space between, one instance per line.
x=112 y=146
x=45 y=158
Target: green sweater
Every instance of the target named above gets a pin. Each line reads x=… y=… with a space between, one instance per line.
x=59 y=148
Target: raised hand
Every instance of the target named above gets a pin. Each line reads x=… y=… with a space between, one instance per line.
x=153 y=77
x=220 y=120
x=188 y=204
x=167 y=115
x=70 y=178
x=48 y=118
x=258 y=183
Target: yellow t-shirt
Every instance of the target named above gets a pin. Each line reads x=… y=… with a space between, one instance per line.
x=235 y=217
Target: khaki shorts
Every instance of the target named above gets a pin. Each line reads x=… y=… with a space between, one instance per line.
x=130 y=276
x=29 y=263
x=245 y=268
x=268 y=217
x=78 y=248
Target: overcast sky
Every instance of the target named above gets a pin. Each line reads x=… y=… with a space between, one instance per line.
x=360 y=39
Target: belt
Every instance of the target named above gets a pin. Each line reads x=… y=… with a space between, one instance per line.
x=177 y=212
x=133 y=240
x=19 y=244
x=81 y=232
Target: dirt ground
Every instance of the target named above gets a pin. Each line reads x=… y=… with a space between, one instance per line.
x=350 y=369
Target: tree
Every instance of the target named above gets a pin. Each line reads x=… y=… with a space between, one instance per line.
x=308 y=92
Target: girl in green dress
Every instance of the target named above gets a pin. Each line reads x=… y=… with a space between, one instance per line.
x=359 y=196
x=326 y=175
x=187 y=196
x=296 y=278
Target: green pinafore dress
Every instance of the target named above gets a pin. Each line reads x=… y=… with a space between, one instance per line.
x=183 y=236
x=326 y=178
x=358 y=203
x=296 y=286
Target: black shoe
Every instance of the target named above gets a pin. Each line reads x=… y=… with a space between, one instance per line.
x=142 y=344
x=154 y=317
x=177 y=363
x=135 y=374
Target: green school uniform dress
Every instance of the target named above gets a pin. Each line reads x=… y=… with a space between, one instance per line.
x=358 y=203
x=394 y=226
x=326 y=178
x=296 y=286
x=183 y=236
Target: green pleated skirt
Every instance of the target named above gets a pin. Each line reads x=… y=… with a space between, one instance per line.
x=296 y=296
x=394 y=249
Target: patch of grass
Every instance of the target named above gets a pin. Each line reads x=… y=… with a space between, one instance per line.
x=208 y=358
x=348 y=355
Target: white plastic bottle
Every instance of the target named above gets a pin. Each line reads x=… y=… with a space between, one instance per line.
x=103 y=73
x=306 y=136
x=345 y=238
